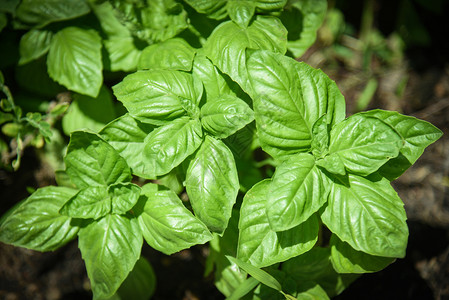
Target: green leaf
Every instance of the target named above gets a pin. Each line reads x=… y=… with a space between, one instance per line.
x=110 y=248
x=91 y=161
x=167 y=146
x=347 y=260
x=157 y=96
x=152 y=21
x=212 y=184
x=166 y=224
x=289 y=98
x=213 y=9
x=244 y=288
x=109 y=22
x=127 y=136
x=258 y=243
x=416 y=135
x=89 y=113
x=257 y=273
x=140 y=283
x=225 y=116
x=314 y=266
x=227 y=45
x=34 y=44
x=227 y=276
x=214 y=82
x=242 y=11
x=43 y=12
x=368 y=215
x=123 y=53
x=364 y=144
x=74 y=60
x=89 y=203
x=297 y=191
x=123 y=196
x=172 y=54
x=302 y=18
x=320 y=137
x=36 y=224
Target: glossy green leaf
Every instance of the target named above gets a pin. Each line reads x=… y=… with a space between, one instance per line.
x=227 y=276
x=89 y=203
x=123 y=196
x=314 y=266
x=225 y=116
x=368 y=215
x=289 y=97
x=123 y=53
x=364 y=143
x=214 y=82
x=127 y=136
x=157 y=96
x=244 y=288
x=167 y=146
x=35 y=223
x=212 y=184
x=320 y=137
x=297 y=191
x=89 y=113
x=74 y=60
x=140 y=283
x=347 y=260
x=242 y=11
x=43 y=12
x=302 y=18
x=416 y=135
x=34 y=44
x=110 y=248
x=227 y=45
x=91 y=161
x=214 y=9
x=109 y=20
x=258 y=243
x=172 y=54
x=257 y=273
x=166 y=224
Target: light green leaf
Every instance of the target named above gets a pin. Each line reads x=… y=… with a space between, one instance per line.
x=244 y=288
x=333 y=164
x=213 y=9
x=364 y=143
x=35 y=223
x=43 y=12
x=127 y=136
x=123 y=196
x=302 y=18
x=260 y=245
x=214 y=82
x=257 y=273
x=109 y=22
x=297 y=191
x=167 y=146
x=166 y=224
x=123 y=53
x=34 y=44
x=416 y=135
x=110 y=248
x=289 y=97
x=157 y=96
x=74 y=60
x=89 y=203
x=311 y=291
x=227 y=45
x=314 y=266
x=225 y=116
x=91 y=161
x=227 y=276
x=140 y=283
x=241 y=11
x=320 y=137
x=347 y=260
x=172 y=54
x=212 y=184
x=89 y=113
x=368 y=215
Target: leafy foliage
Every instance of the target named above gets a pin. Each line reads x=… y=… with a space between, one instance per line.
x=196 y=107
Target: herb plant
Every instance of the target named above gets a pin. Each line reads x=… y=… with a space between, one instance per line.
x=195 y=117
